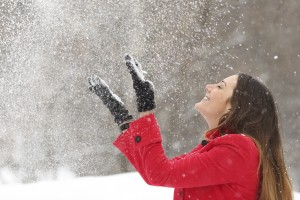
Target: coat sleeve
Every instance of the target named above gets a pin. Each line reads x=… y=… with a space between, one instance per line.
x=227 y=159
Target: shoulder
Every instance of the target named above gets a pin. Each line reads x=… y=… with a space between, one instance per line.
x=239 y=139
x=239 y=142
x=240 y=145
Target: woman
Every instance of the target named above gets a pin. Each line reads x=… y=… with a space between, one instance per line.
x=241 y=158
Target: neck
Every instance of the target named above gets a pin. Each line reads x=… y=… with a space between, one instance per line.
x=212 y=123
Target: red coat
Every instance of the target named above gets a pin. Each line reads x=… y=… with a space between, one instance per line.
x=225 y=168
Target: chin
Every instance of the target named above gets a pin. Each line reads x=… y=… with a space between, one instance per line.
x=198 y=107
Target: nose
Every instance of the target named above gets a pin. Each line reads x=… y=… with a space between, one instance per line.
x=208 y=88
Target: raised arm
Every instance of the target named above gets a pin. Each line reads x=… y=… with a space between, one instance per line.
x=223 y=160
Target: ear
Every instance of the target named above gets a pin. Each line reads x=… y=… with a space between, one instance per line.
x=228 y=107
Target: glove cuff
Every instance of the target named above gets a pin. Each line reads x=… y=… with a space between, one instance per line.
x=125 y=126
x=121 y=118
x=144 y=106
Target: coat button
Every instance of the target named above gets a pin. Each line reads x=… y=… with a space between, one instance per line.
x=204 y=142
x=138 y=139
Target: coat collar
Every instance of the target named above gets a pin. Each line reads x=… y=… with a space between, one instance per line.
x=210 y=135
x=213 y=134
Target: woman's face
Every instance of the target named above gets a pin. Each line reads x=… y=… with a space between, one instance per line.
x=216 y=101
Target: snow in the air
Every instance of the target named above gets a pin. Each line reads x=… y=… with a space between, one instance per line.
x=50 y=120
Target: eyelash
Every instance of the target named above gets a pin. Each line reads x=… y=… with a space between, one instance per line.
x=219 y=87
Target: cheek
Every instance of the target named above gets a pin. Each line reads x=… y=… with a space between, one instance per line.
x=218 y=98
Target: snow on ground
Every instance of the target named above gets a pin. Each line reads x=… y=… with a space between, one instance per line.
x=115 y=187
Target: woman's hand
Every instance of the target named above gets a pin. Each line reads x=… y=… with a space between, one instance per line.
x=111 y=101
x=144 y=89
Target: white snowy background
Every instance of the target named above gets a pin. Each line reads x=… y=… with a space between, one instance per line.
x=122 y=186
x=52 y=128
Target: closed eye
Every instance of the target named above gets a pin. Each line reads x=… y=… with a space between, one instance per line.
x=219 y=86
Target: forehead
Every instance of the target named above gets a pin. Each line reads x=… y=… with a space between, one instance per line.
x=231 y=80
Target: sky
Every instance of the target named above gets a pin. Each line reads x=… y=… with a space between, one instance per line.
x=114 y=187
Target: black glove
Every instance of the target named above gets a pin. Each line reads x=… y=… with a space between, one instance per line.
x=144 y=89
x=111 y=101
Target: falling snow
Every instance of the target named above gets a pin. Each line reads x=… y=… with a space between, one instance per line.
x=51 y=121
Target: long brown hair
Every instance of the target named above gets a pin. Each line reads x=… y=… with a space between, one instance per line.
x=254 y=113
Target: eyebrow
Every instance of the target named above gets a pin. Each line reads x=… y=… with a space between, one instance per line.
x=224 y=82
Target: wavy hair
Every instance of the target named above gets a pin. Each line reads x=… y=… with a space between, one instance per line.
x=254 y=113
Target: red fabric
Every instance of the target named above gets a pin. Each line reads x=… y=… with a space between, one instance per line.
x=226 y=168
